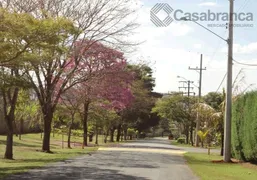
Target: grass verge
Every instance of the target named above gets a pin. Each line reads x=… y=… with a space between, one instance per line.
x=175 y=143
x=27 y=154
x=204 y=168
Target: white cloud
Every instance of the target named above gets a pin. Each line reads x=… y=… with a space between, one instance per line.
x=197 y=46
x=179 y=29
x=168 y=49
x=243 y=49
x=148 y=31
x=208 y=4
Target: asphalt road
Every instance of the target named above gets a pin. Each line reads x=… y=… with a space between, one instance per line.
x=142 y=160
x=163 y=143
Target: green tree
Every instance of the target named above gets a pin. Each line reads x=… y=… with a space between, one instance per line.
x=27 y=111
x=138 y=115
x=84 y=21
x=20 y=33
x=214 y=99
x=103 y=119
x=175 y=109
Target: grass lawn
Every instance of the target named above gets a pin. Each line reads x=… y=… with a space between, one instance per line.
x=174 y=142
x=205 y=169
x=27 y=153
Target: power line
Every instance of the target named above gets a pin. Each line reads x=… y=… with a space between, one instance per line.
x=201 y=69
x=216 y=50
x=242 y=5
x=245 y=64
x=221 y=82
x=246 y=2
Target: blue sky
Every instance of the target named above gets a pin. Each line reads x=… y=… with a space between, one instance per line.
x=173 y=49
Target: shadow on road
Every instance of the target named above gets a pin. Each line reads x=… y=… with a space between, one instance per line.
x=115 y=165
x=75 y=173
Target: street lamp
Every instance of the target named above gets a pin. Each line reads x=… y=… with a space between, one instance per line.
x=228 y=112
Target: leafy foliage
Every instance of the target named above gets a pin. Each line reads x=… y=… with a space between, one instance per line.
x=181 y=140
x=214 y=99
x=244 y=127
x=202 y=135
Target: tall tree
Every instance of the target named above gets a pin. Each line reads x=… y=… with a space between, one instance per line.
x=20 y=32
x=214 y=99
x=175 y=108
x=138 y=114
x=102 y=76
x=101 y=20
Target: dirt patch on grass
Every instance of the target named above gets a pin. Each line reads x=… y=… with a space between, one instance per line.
x=233 y=161
x=249 y=165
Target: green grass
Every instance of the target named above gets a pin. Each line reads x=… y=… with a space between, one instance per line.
x=27 y=153
x=205 y=169
x=175 y=143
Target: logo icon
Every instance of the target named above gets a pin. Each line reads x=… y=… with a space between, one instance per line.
x=154 y=14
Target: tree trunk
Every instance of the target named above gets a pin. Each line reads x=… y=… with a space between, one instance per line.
x=118 y=133
x=16 y=131
x=96 y=136
x=187 y=134
x=69 y=135
x=130 y=137
x=125 y=134
x=121 y=136
x=191 y=133
x=85 y=126
x=70 y=128
x=9 y=146
x=112 y=135
x=21 y=128
x=48 y=116
x=222 y=143
x=106 y=136
x=9 y=117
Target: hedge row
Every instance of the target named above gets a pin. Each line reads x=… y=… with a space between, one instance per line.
x=244 y=127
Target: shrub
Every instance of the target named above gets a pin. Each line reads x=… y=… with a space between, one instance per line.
x=244 y=127
x=181 y=140
x=131 y=132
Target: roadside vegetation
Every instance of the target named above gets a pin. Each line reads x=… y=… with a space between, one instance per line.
x=205 y=167
x=64 y=70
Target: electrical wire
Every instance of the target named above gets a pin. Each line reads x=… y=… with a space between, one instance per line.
x=216 y=50
x=244 y=64
x=221 y=82
x=246 y=2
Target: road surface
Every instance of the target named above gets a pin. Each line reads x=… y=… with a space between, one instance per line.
x=142 y=160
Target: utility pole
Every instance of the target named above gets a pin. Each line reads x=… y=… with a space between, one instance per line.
x=228 y=112
x=199 y=97
x=188 y=105
x=188 y=87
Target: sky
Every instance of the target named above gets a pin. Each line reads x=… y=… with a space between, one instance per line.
x=173 y=49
